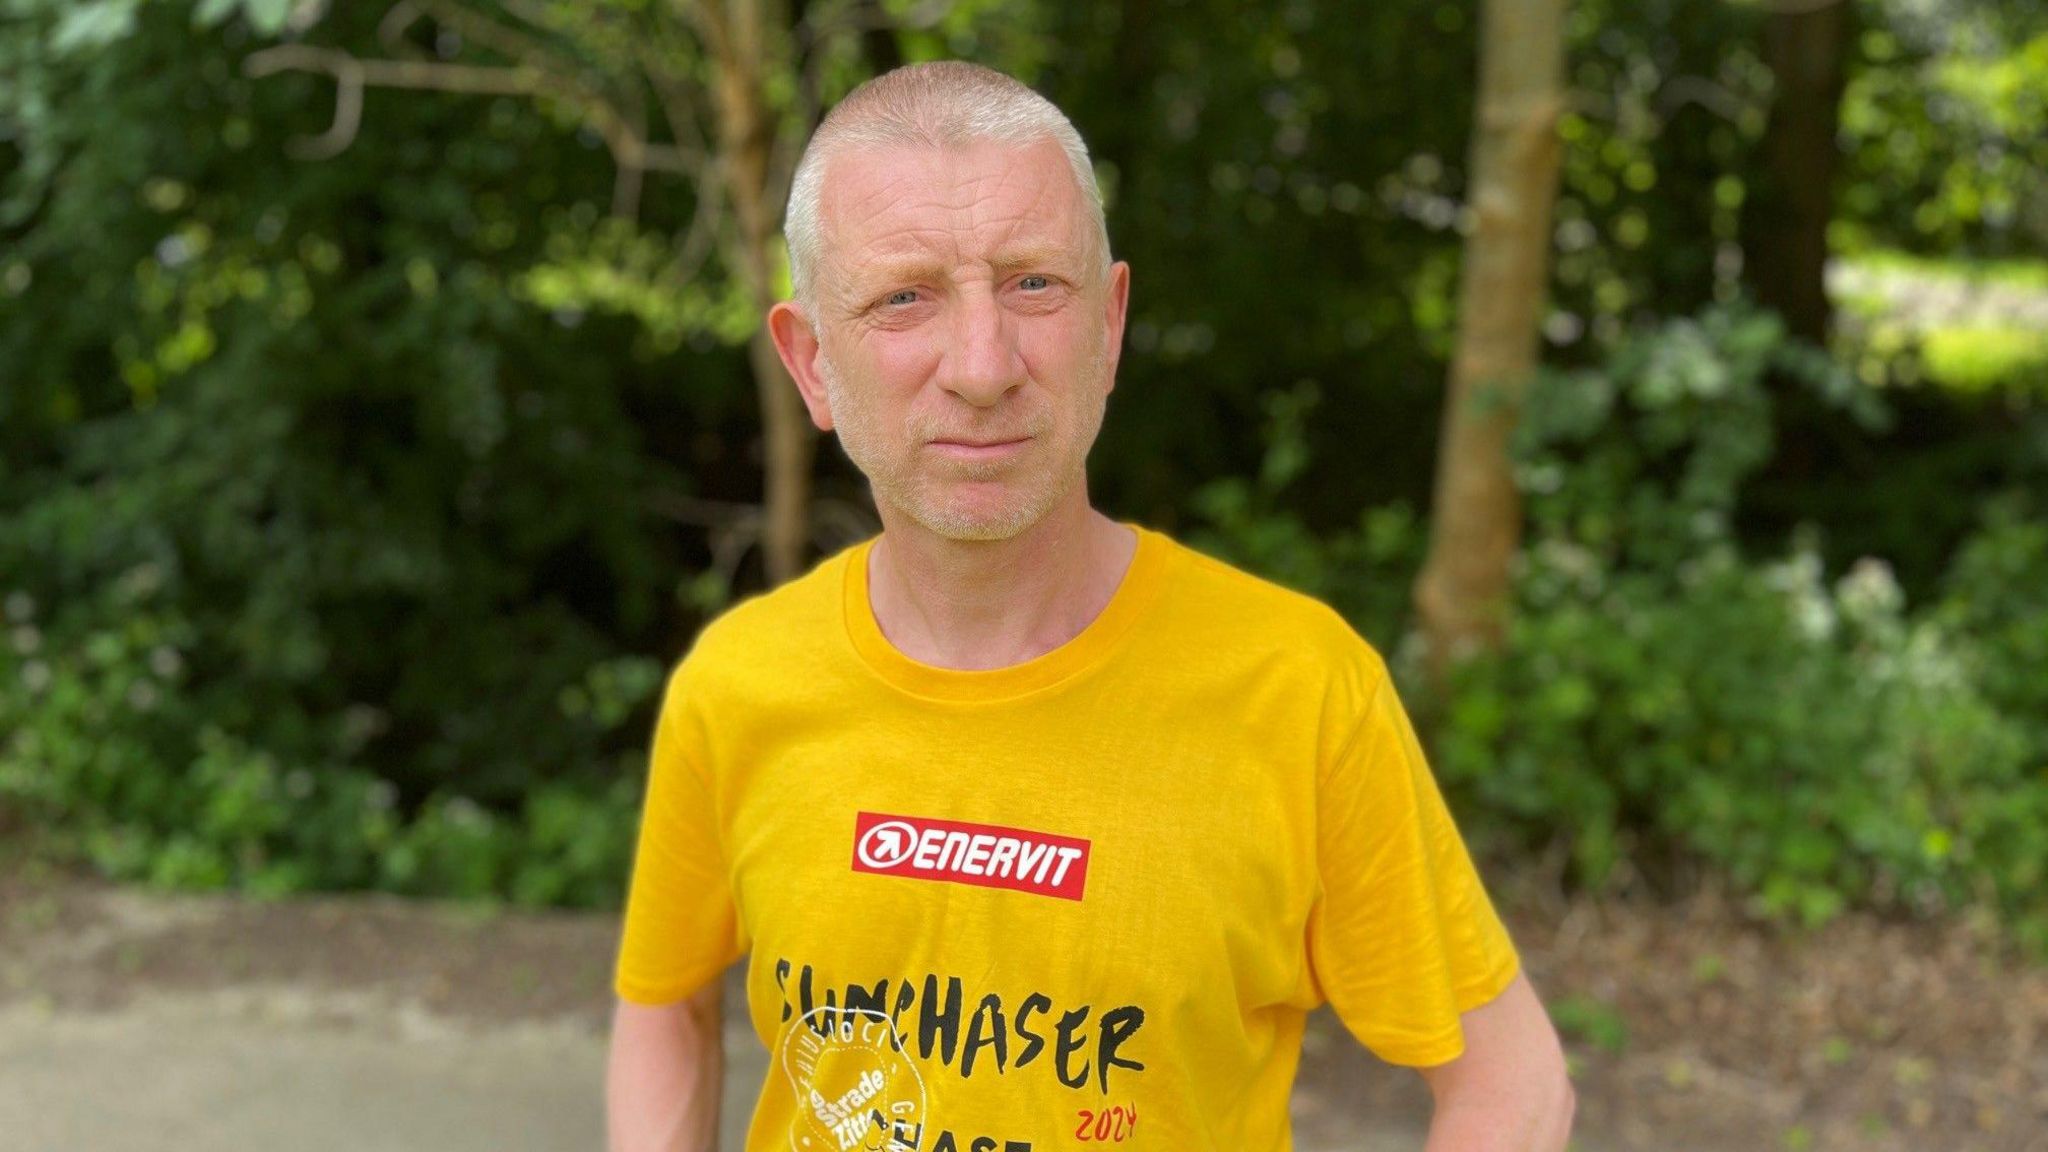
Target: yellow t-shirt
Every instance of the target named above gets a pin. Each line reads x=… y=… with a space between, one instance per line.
x=1084 y=899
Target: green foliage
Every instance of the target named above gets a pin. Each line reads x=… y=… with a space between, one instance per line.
x=115 y=742
x=614 y=266
x=1641 y=459
x=1962 y=325
x=1363 y=570
x=267 y=17
x=292 y=431
x=1987 y=358
x=1997 y=593
x=2026 y=274
x=325 y=487
x=1942 y=125
x=1591 y=1021
x=1282 y=180
x=1669 y=100
x=1663 y=702
x=1810 y=741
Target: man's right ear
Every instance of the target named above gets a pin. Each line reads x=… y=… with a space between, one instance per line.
x=797 y=343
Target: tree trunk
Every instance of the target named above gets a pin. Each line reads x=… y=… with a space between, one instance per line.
x=1461 y=594
x=789 y=448
x=1785 y=235
x=737 y=36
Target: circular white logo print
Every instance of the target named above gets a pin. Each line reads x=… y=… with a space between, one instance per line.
x=887 y=844
x=855 y=1086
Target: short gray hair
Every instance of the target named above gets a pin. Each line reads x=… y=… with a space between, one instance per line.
x=938 y=104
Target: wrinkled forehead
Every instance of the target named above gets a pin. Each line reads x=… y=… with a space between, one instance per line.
x=971 y=207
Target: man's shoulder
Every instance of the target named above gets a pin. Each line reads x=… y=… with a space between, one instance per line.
x=769 y=628
x=1255 y=614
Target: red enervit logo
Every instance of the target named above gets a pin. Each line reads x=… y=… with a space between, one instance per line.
x=986 y=854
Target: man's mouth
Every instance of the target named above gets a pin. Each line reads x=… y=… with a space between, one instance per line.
x=979 y=449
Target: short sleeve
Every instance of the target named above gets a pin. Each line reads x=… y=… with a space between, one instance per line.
x=681 y=929
x=1402 y=937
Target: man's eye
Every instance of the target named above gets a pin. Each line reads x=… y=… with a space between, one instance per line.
x=1034 y=283
x=902 y=296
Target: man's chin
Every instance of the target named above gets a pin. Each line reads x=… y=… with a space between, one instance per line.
x=971 y=528
x=978 y=510
x=976 y=521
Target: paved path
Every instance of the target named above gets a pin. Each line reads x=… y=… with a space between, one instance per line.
x=280 y=1070
x=134 y=1022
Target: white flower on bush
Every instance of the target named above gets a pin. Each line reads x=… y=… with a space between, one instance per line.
x=1572 y=563
x=1684 y=363
x=1814 y=616
x=27 y=639
x=1922 y=659
x=1798 y=577
x=1869 y=592
x=382 y=796
x=20 y=606
x=142 y=695
x=35 y=676
x=1553 y=569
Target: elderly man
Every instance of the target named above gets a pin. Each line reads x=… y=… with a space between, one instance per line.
x=1038 y=828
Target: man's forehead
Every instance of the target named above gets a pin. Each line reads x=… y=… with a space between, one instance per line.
x=981 y=201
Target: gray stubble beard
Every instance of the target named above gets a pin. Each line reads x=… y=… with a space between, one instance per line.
x=906 y=493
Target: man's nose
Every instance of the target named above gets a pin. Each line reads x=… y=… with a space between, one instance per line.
x=981 y=362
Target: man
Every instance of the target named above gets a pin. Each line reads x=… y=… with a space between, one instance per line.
x=1039 y=829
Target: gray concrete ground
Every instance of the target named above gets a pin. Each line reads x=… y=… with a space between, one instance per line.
x=132 y=1021
x=284 y=1069
x=139 y=1022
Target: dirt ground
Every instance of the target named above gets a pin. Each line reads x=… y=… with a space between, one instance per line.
x=1689 y=1027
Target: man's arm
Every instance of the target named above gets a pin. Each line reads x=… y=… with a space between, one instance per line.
x=1509 y=1092
x=663 y=1076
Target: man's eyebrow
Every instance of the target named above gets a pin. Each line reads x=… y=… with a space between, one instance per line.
x=897 y=269
x=1036 y=256
x=892 y=269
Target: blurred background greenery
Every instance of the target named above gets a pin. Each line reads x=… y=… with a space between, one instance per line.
x=356 y=489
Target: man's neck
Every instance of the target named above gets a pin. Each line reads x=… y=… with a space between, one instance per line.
x=981 y=604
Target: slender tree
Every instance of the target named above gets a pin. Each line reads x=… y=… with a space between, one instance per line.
x=1785 y=235
x=1462 y=590
x=735 y=86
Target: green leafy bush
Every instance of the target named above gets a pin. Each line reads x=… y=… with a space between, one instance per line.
x=316 y=530
x=1808 y=740
x=116 y=749
x=1941 y=121
x=1663 y=703
x=1363 y=569
x=1997 y=593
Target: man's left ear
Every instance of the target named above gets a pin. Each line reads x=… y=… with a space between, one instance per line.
x=1117 y=304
